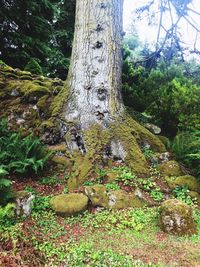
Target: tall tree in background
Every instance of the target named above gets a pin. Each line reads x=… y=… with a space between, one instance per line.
x=41 y=30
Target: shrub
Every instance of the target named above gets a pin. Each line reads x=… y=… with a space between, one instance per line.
x=34 y=67
x=186 y=146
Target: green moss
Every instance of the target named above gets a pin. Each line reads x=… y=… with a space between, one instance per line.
x=59 y=101
x=58 y=148
x=82 y=168
x=42 y=102
x=170 y=168
x=117 y=199
x=134 y=156
x=164 y=140
x=61 y=160
x=33 y=89
x=69 y=204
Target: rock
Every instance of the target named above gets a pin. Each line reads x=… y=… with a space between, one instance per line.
x=170 y=168
x=176 y=218
x=15 y=92
x=61 y=160
x=186 y=180
x=195 y=196
x=97 y=195
x=153 y=128
x=164 y=157
x=24 y=203
x=69 y=204
x=112 y=199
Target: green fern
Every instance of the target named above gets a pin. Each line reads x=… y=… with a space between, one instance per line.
x=186 y=146
x=19 y=154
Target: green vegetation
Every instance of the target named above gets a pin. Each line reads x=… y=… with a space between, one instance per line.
x=19 y=154
x=181 y=193
x=34 y=67
x=186 y=146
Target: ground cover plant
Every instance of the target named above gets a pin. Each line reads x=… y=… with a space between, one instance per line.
x=93 y=238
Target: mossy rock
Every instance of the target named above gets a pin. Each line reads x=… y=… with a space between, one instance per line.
x=164 y=140
x=195 y=196
x=97 y=195
x=118 y=199
x=176 y=218
x=62 y=160
x=69 y=204
x=186 y=180
x=170 y=168
x=58 y=148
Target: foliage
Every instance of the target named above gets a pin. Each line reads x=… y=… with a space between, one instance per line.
x=181 y=193
x=186 y=146
x=112 y=186
x=42 y=30
x=125 y=175
x=7 y=216
x=5 y=186
x=41 y=203
x=169 y=92
x=20 y=154
x=34 y=67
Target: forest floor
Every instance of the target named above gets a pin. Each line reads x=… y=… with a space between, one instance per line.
x=98 y=237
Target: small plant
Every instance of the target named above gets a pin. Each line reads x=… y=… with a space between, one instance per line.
x=50 y=180
x=41 y=203
x=5 y=186
x=181 y=193
x=101 y=175
x=148 y=153
x=66 y=190
x=88 y=183
x=147 y=184
x=7 y=215
x=112 y=186
x=156 y=194
x=126 y=176
x=34 y=67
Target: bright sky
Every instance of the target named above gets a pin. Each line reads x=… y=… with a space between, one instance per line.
x=149 y=34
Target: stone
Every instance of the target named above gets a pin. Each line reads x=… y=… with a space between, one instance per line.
x=195 y=196
x=186 y=180
x=112 y=199
x=153 y=128
x=61 y=160
x=23 y=203
x=164 y=157
x=170 y=168
x=69 y=204
x=176 y=218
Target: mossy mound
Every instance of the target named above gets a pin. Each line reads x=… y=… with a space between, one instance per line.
x=118 y=199
x=170 y=168
x=69 y=204
x=186 y=180
x=176 y=218
x=28 y=101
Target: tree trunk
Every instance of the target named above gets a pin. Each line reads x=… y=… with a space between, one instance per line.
x=95 y=72
x=98 y=129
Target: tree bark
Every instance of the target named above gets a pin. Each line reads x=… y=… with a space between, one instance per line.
x=98 y=130
x=94 y=77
